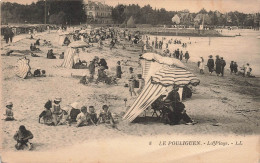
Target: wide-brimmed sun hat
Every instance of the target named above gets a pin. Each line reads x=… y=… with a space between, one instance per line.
x=74 y=105
x=168 y=101
x=66 y=109
x=9 y=103
x=57 y=99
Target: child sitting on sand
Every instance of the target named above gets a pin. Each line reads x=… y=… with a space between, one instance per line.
x=56 y=110
x=74 y=112
x=9 y=115
x=83 y=118
x=83 y=79
x=46 y=115
x=93 y=114
x=22 y=137
x=105 y=116
x=65 y=118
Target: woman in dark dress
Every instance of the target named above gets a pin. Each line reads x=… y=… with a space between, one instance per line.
x=210 y=64
x=218 y=65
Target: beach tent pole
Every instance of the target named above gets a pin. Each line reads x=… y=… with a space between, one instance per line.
x=45 y=12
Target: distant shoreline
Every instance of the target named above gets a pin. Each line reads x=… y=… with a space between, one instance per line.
x=178 y=32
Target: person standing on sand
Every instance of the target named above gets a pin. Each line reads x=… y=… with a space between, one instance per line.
x=131 y=80
x=187 y=56
x=222 y=66
x=210 y=64
x=11 y=35
x=181 y=56
x=141 y=83
x=201 y=65
x=235 y=67
x=231 y=67
x=247 y=70
x=22 y=137
x=218 y=65
x=6 y=36
x=118 y=70
x=177 y=54
x=91 y=69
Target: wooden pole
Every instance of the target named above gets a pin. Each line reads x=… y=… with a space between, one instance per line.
x=45 y=12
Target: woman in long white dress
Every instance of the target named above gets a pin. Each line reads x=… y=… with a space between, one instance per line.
x=201 y=65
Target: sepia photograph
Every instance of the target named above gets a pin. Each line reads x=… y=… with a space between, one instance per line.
x=108 y=81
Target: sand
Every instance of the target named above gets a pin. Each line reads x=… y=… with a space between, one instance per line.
x=226 y=105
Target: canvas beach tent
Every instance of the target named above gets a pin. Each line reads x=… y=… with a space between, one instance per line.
x=70 y=54
x=130 y=23
x=161 y=74
x=23 y=67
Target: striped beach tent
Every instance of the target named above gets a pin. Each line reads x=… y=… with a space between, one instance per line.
x=23 y=67
x=160 y=80
x=70 y=55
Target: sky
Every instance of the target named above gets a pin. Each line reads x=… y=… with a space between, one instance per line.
x=246 y=6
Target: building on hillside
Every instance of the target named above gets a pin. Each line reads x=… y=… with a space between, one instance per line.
x=98 y=12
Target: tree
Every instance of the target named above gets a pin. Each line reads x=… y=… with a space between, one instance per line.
x=59 y=18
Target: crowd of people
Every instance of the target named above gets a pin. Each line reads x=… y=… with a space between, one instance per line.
x=170 y=105
x=54 y=115
x=219 y=67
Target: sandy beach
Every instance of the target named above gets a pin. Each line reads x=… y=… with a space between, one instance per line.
x=226 y=105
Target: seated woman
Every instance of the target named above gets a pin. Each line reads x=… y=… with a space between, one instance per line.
x=46 y=115
x=33 y=48
x=37 y=42
x=74 y=112
x=66 y=41
x=83 y=80
x=177 y=112
x=37 y=72
x=105 y=116
x=103 y=63
x=101 y=75
x=22 y=137
x=50 y=54
x=80 y=65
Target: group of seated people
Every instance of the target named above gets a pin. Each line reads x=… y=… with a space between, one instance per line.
x=34 y=48
x=39 y=73
x=53 y=114
x=172 y=109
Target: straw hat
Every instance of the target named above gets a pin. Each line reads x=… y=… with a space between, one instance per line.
x=57 y=99
x=9 y=103
x=168 y=102
x=74 y=105
x=66 y=109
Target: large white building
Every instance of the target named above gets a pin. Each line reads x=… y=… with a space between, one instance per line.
x=98 y=12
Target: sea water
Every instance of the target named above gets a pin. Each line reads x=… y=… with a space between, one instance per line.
x=241 y=49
